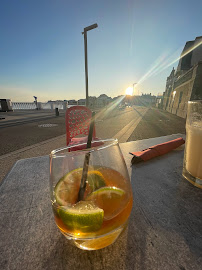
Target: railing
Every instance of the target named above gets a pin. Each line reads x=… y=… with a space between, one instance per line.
x=52 y=106
x=186 y=77
x=23 y=106
x=40 y=105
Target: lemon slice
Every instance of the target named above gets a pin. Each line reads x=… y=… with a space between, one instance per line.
x=110 y=199
x=82 y=217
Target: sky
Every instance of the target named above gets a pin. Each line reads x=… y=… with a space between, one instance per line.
x=42 y=46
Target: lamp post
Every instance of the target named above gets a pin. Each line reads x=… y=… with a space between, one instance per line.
x=133 y=88
x=86 y=56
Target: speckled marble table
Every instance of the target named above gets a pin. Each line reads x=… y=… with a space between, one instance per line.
x=164 y=232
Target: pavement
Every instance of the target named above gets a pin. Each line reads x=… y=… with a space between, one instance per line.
x=156 y=123
x=14 y=118
x=27 y=134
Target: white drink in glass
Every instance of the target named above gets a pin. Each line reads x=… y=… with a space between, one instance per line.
x=192 y=167
x=194 y=150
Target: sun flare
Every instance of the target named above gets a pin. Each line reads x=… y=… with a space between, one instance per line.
x=129 y=91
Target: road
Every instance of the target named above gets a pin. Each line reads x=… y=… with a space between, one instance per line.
x=22 y=129
x=37 y=133
x=119 y=124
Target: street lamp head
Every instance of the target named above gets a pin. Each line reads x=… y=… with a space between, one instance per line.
x=90 y=27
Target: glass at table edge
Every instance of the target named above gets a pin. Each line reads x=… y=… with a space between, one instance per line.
x=187 y=175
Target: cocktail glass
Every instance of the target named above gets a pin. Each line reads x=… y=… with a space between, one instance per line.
x=96 y=219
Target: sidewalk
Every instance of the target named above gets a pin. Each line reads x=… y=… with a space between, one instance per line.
x=14 y=118
x=35 y=150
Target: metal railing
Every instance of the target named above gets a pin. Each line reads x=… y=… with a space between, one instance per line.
x=23 y=106
x=40 y=106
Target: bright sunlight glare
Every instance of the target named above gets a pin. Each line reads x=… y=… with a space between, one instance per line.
x=129 y=91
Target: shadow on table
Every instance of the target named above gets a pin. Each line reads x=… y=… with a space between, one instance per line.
x=136 y=250
x=64 y=255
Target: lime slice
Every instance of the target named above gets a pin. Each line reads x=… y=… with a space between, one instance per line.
x=110 y=199
x=67 y=188
x=82 y=217
x=95 y=180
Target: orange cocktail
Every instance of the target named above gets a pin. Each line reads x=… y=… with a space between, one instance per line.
x=98 y=219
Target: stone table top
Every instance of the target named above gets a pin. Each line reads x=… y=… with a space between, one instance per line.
x=164 y=232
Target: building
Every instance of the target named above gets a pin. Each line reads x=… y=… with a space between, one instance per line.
x=185 y=83
x=159 y=101
x=190 y=56
x=53 y=104
x=72 y=102
x=92 y=101
x=82 y=101
x=144 y=100
x=103 y=100
x=169 y=88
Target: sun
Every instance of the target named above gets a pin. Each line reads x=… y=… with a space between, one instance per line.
x=129 y=91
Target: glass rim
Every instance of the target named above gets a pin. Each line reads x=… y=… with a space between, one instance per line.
x=56 y=152
x=195 y=101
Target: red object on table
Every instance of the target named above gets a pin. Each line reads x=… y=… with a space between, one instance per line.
x=156 y=150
